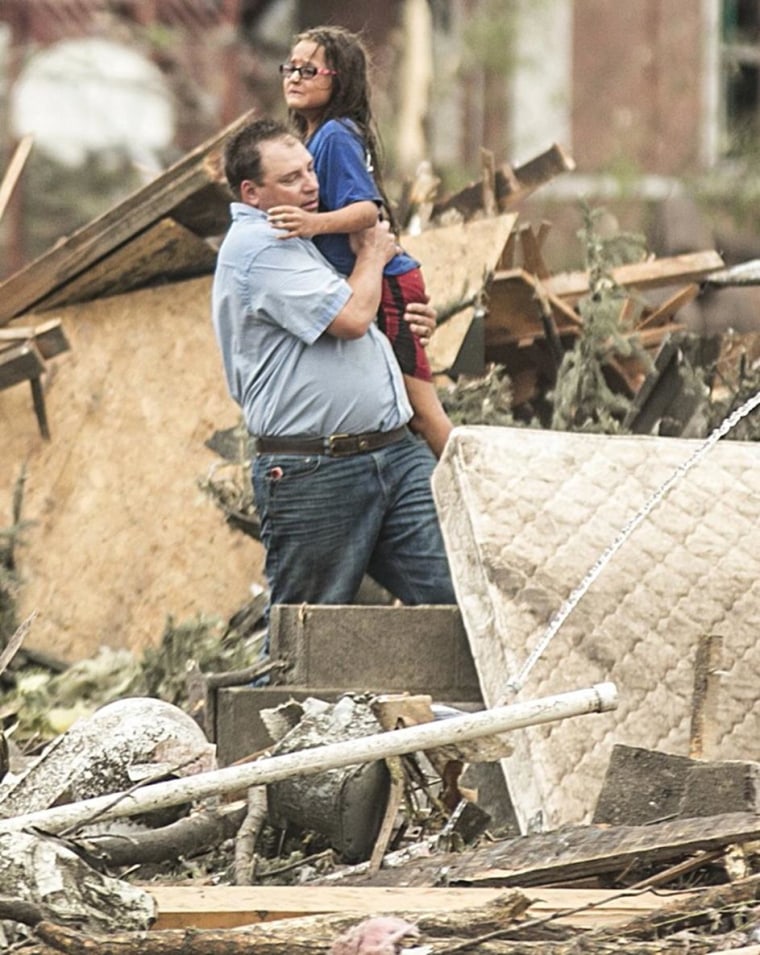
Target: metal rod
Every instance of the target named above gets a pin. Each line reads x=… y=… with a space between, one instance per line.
x=596 y=699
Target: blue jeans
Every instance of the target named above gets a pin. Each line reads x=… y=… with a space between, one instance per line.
x=326 y=521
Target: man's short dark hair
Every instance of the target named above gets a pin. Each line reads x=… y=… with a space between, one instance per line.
x=242 y=152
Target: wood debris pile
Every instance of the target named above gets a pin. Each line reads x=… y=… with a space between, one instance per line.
x=637 y=883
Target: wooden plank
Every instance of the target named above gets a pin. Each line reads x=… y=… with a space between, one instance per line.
x=511 y=185
x=571 y=853
x=20 y=363
x=656 y=273
x=591 y=850
x=37 y=281
x=231 y=906
x=514 y=310
x=49 y=337
x=545 y=166
x=535 y=173
x=15 y=168
x=668 y=309
x=166 y=251
x=708 y=673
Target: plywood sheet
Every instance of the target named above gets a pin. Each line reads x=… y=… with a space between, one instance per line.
x=457 y=261
x=526 y=514
x=120 y=536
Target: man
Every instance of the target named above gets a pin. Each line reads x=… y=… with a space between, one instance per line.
x=341 y=485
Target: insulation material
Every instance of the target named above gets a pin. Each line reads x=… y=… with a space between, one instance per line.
x=526 y=514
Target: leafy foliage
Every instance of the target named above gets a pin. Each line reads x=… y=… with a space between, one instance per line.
x=582 y=399
x=486 y=400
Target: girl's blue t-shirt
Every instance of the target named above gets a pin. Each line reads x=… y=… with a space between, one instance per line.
x=343 y=168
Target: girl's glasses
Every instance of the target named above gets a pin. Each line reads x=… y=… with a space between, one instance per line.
x=305 y=72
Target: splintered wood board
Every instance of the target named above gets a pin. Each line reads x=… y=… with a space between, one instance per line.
x=581 y=851
x=220 y=907
x=166 y=251
x=24 y=289
x=457 y=262
x=657 y=273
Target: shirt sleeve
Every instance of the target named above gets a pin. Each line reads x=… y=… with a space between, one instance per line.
x=296 y=289
x=340 y=162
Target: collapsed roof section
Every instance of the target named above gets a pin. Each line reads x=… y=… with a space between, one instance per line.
x=161 y=232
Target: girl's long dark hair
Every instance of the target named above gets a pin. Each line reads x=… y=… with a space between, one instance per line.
x=346 y=54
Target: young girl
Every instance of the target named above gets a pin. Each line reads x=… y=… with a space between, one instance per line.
x=326 y=88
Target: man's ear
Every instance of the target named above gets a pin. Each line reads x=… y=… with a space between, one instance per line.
x=249 y=193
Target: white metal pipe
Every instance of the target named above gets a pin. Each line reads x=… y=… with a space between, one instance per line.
x=365 y=749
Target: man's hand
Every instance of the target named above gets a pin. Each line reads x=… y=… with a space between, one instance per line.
x=422 y=318
x=377 y=240
x=294 y=222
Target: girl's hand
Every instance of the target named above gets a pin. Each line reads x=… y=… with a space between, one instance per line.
x=422 y=320
x=294 y=222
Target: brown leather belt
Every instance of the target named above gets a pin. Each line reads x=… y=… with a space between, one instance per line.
x=334 y=445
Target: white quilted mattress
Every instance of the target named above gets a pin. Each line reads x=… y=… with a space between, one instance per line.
x=525 y=515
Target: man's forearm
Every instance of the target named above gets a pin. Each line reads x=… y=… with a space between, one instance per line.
x=366 y=286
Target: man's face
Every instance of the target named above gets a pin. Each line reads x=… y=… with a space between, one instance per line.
x=288 y=177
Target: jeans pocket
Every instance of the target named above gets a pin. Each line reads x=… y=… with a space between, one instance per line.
x=276 y=478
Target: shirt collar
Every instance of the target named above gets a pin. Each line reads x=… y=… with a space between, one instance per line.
x=239 y=210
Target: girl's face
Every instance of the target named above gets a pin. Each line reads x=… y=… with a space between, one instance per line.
x=309 y=97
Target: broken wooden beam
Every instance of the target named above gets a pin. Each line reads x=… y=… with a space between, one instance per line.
x=654 y=273
x=24 y=363
x=225 y=906
x=87 y=245
x=590 y=850
x=511 y=184
x=596 y=699
x=49 y=337
x=164 y=252
x=536 y=172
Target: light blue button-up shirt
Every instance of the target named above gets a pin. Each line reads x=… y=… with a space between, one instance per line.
x=272 y=300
